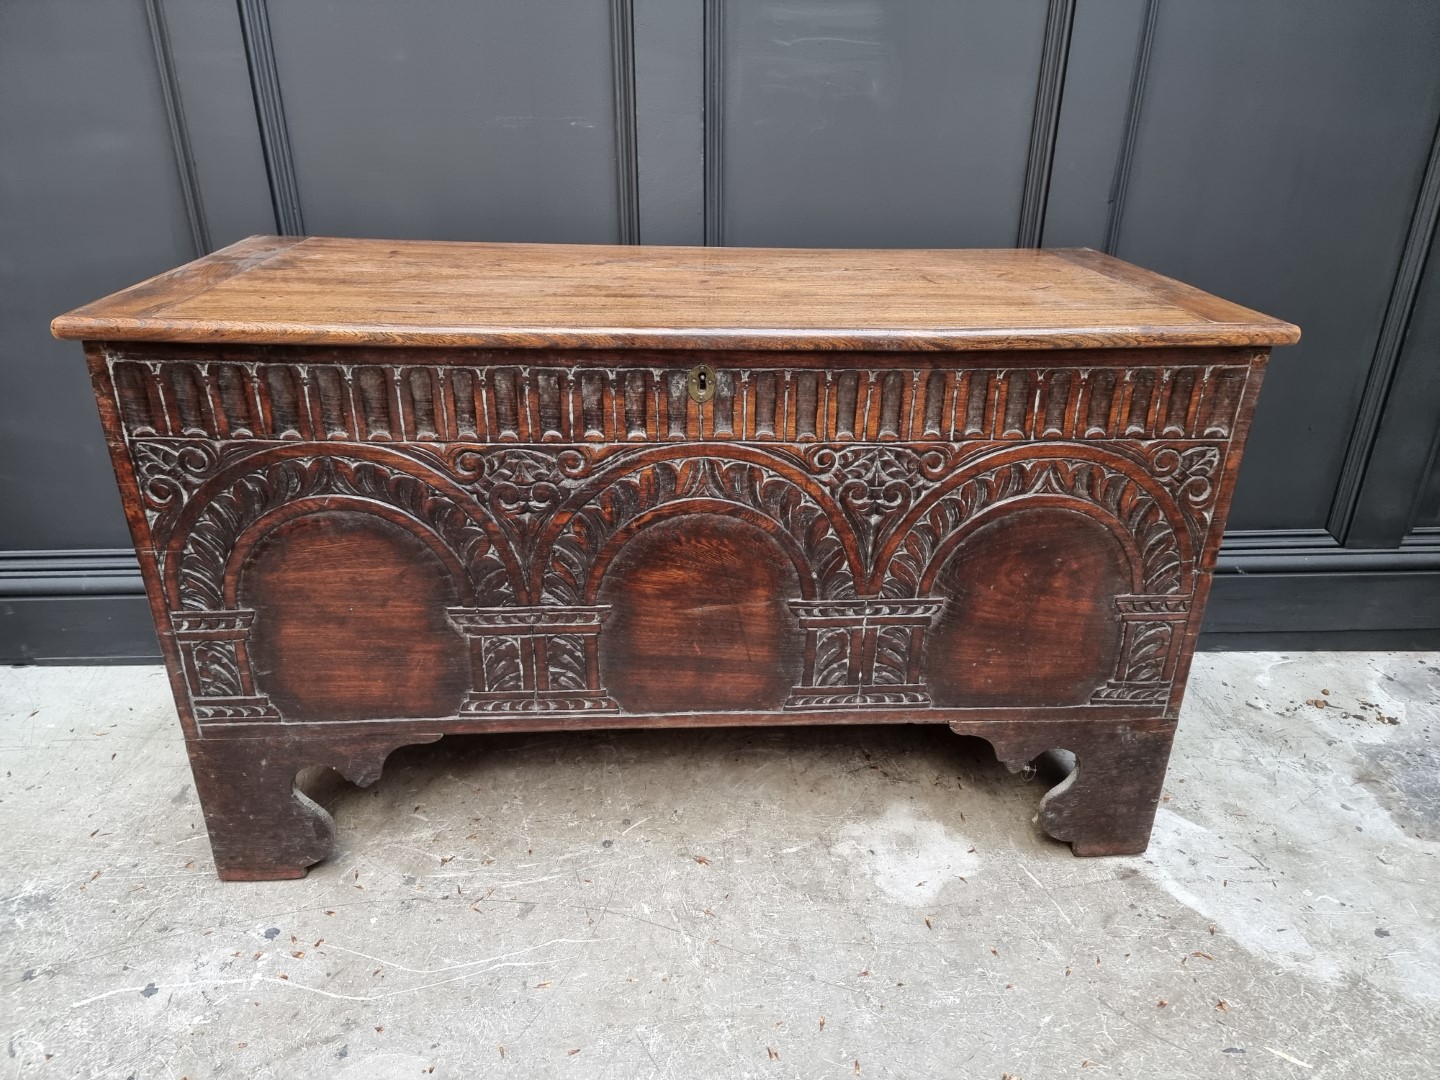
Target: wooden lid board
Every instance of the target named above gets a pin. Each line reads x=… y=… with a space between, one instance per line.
x=270 y=290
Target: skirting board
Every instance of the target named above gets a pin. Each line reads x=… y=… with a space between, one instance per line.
x=77 y=630
x=88 y=607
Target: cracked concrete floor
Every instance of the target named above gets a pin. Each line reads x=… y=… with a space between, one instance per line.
x=748 y=903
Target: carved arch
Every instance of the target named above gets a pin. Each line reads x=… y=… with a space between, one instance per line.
x=257 y=530
x=227 y=507
x=640 y=522
x=775 y=495
x=1113 y=526
x=1111 y=488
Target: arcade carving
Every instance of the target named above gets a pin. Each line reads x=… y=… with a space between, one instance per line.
x=527 y=483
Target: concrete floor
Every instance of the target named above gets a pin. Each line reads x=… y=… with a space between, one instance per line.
x=767 y=903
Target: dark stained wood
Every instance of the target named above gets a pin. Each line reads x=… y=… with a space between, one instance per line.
x=262 y=827
x=272 y=290
x=358 y=544
x=699 y=620
x=355 y=624
x=1029 y=619
x=1106 y=805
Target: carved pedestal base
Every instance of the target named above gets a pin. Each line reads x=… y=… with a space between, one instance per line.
x=863 y=653
x=1106 y=805
x=532 y=660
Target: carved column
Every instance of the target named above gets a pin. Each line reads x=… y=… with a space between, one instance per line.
x=1151 y=627
x=215 y=654
x=533 y=659
x=863 y=653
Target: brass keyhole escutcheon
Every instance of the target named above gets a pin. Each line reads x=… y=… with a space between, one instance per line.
x=702 y=383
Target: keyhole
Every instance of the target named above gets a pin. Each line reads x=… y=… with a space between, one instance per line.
x=701 y=383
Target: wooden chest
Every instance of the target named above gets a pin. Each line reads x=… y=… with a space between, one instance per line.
x=385 y=491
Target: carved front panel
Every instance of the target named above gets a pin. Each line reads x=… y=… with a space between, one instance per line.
x=592 y=540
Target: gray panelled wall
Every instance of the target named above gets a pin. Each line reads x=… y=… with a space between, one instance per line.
x=1282 y=153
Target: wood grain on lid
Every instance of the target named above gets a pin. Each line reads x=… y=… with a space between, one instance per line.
x=325 y=291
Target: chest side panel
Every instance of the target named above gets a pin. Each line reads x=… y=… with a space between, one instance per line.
x=499 y=538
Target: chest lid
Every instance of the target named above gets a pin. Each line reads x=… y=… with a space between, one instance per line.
x=326 y=291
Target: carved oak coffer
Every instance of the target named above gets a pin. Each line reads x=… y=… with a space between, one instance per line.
x=382 y=492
